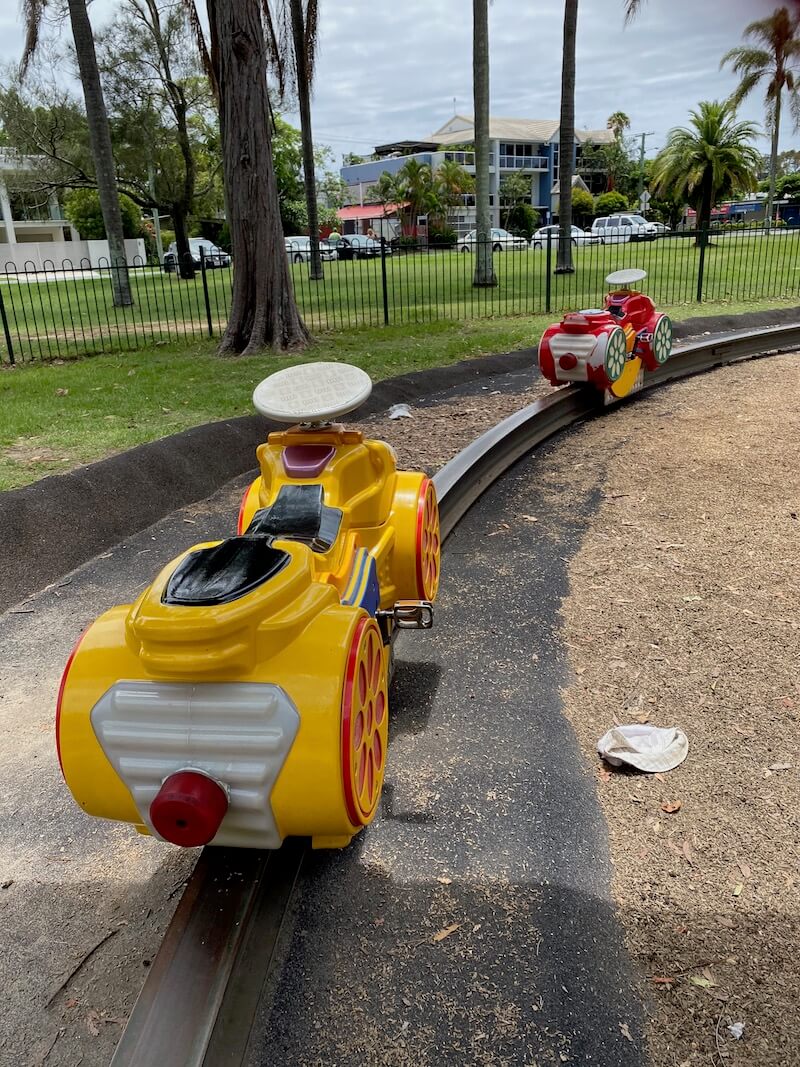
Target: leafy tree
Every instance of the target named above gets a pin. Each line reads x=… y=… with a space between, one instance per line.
x=610 y=203
x=350 y=159
x=712 y=159
x=515 y=190
x=484 y=275
x=582 y=206
x=263 y=307
x=771 y=66
x=451 y=183
x=788 y=187
x=82 y=209
x=155 y=90
x=99 y=130
x=522 y=220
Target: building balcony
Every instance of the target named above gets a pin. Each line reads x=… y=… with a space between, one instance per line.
x=523 y=162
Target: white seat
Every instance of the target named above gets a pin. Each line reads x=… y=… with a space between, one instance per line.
x=626 y=277
x=312 y=392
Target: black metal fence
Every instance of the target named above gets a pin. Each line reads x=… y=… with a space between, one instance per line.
x=67 y=311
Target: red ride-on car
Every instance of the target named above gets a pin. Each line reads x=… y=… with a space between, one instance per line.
x=609 y=346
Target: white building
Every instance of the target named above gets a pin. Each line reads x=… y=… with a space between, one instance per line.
x=49 y=241
x=529 y=145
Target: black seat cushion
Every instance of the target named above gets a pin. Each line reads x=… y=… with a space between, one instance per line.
x=225 y=572
x=299 y=514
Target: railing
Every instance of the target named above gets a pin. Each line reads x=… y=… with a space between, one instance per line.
x=68 y=311
x=523 y=162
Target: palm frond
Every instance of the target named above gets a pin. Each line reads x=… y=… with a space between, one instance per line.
x=32 y=15
x=196 y=27
x=631 y=9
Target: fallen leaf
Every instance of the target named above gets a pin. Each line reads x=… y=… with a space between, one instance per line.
x=443 y=880
x=529 y=518
x=663 y=980
x=698 y=979
x=73 y=1002
x=92 y=1023
x=737 y=889
x=604 y=774
x=671 y=806
x=687 y=853
x=780 y=766
x=378 y=922
x=442 y=934
x=624 y=1030
x=709 y=976
x=744 y=868
x=788 y=703
x=659 y=777
x=635 y=799
x=62 y=392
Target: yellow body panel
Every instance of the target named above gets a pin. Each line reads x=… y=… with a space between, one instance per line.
x=626 y=381
x=291 y=631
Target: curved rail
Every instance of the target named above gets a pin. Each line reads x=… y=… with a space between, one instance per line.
x=203 y=992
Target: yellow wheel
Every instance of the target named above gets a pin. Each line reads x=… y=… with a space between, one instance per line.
x=365 y=722
x=428 y=542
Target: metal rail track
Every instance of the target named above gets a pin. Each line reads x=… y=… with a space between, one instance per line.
x=202 y=994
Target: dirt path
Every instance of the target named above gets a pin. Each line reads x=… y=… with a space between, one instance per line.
x=685 y=610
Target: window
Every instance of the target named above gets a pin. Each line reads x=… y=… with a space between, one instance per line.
x=627 y=222
x=600 y=224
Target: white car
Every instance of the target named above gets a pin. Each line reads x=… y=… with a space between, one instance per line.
x=619 y=229
x=298 y=249
x=661 y=229
x=502 y=241
x=579 y=237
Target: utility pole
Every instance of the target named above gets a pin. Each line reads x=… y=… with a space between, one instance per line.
x=151 y=178
x=644 y=137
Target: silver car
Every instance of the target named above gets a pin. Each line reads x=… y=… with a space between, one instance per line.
x=579 y=237
x=298 y=249
x=502 y=241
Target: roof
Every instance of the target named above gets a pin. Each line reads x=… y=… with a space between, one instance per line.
x=461 y=128
x=367 y=211
x=577 y=183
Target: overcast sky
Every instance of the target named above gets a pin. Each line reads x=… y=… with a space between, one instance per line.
x=390 y=69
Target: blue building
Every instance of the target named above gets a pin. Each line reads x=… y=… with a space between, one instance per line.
x=529 y=145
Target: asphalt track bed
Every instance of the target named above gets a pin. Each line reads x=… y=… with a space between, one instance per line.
x=489 y=829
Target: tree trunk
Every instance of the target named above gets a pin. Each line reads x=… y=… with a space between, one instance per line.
x=100 y=142
x=304 y=104
x=185 y=265
x=773 y=160
x=484 y=267
x=704 y=212
x=566 y=140
x=263 y=309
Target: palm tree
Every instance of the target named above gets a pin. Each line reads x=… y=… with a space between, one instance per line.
x=771 y=64
x=303 y=18
x=566 y=140
x=713 y=158
x=484 y=267
x=618 y=123
x=99 y=132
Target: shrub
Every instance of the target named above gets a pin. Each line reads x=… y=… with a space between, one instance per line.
x=82 y=209
x=443 y=236
x=522 y=220
x=610 y=203
x=582 y=206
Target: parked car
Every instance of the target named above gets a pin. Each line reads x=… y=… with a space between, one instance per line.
x=619 y=229
x=661 y=229
x=579 y=237
x=502 y=241
x=298 y=249
x=359 y=246
x=214 y=256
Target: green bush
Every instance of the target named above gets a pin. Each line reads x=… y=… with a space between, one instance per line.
x=522 y=220
x=582 y=206
x=443 y=236
x=610 y=203
x=82 y=210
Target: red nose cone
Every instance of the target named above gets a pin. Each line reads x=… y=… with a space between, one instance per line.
x=568 y=361
x=188 y=809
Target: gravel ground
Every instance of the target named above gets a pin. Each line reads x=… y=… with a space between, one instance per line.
x=684 y=609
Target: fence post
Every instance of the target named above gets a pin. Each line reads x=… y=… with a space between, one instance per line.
x=701 y=265
x=548 y=272
x=6 y=330
x=383 y=282
x=205 y=290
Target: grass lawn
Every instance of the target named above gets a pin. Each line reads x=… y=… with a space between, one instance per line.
x=74 y=316
x=59 y=415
